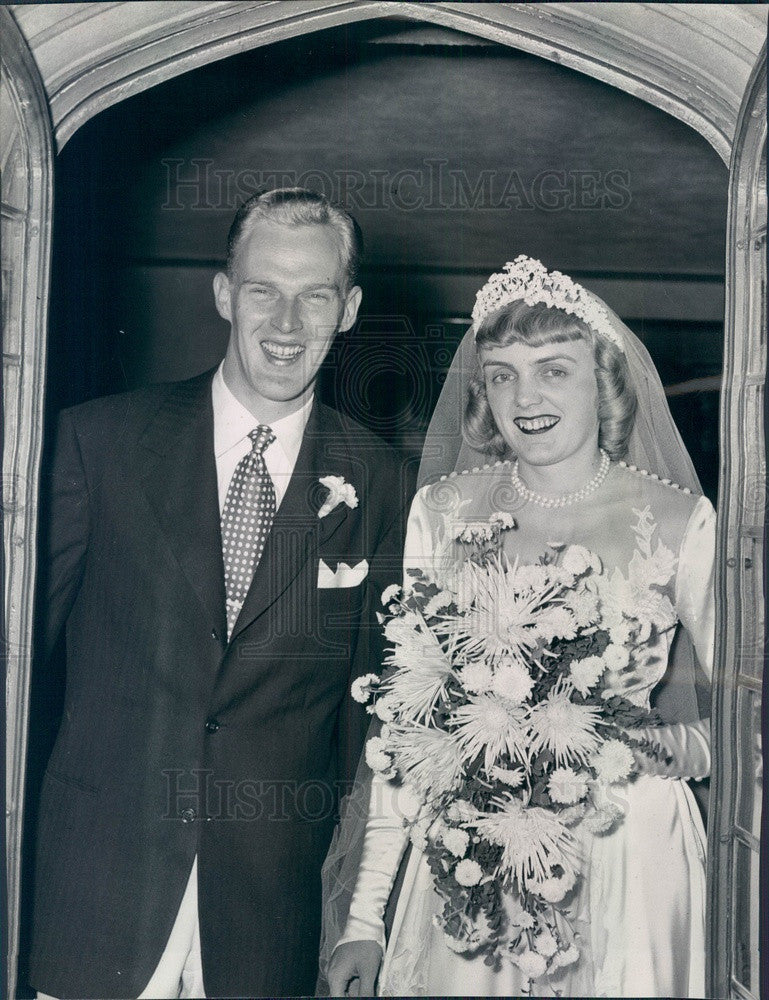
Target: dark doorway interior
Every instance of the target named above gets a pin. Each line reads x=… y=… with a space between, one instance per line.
x=454 y=154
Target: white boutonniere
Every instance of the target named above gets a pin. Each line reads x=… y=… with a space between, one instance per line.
x=338 y=492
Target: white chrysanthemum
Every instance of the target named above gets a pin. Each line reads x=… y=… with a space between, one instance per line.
x=616 y=657
x=564 y=958
x=377 y=757
x=554 y=888
x=613 y=762
x=426 y=758
x=602 y=820
x=384 y=708
x=563 y=577
x=361 y=687
x=576 y=560
x=512 y=778
x=585 y=608
x=402 y=628
x=468 y=872
x=456 y=841
x=556 y=623
x=566 y=729
x=523 y=919
x=477 y=677
x=490 y=726
x=501 y=621
x=503 y=519
x=586 y=673
x=545 y=943
x=532 y=839
x=418 y=833
x=533 y=576
x=566 y=786
x=439 y=602
x=421 y=678
x=391 y=593
x=571 y=815
x=621 y=632
x=512 y=681
x=461 y=811
x=461 y=582
x=530 y=963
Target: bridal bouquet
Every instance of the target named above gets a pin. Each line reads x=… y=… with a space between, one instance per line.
x=497 y=714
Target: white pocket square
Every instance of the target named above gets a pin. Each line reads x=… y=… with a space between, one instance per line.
x=343 y=576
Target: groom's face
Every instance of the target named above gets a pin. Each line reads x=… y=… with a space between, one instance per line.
x=285 y=299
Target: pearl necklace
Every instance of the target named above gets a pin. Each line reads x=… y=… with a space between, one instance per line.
x=565 y=499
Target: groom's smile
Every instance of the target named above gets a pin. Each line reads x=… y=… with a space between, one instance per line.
x=282 y=354
x=285 y=296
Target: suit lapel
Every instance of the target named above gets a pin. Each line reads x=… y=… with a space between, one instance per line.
x=180 y=484
x=297 y=531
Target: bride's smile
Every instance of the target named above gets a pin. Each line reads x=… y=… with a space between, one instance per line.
x=544 y=400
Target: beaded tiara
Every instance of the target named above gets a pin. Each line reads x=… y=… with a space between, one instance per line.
x=529 y=280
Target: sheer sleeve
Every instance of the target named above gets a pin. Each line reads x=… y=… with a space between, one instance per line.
x=695 y=584
x=386 y=833
x=688 y=744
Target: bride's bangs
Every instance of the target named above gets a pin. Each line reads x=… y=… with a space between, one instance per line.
x=533 y=325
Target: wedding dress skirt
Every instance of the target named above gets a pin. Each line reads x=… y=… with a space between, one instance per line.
x=639 y=910
x=638 y=907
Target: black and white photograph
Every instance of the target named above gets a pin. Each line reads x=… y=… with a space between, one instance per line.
x=384 y=498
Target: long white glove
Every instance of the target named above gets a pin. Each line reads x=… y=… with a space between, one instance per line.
x=385 y=841
x=688 y=743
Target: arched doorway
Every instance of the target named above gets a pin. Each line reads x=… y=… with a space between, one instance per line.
x=562 y=33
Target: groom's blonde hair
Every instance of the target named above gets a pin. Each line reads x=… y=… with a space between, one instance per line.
x=536 y=325
x=299 y=207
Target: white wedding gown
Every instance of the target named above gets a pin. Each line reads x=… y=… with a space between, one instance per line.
x=639 y=908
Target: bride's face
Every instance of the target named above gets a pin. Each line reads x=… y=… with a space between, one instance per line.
x=544 y=399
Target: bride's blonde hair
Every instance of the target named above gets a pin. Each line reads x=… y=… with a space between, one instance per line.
x=536 y=325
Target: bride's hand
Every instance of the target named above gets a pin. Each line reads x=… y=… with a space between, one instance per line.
x=353 y=969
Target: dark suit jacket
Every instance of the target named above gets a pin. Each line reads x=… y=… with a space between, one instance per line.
x=175 y=742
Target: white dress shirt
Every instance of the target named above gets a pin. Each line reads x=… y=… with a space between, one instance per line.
x=232 y=423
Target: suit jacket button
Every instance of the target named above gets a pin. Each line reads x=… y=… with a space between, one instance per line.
x=187 y=815
x=211 y=725
x=214 y=634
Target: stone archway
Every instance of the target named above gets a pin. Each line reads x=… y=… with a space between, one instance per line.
x=64 y=67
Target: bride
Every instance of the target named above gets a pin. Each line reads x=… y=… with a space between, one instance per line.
x=564 y=424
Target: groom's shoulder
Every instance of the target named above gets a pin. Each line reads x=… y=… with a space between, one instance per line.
x=126 y=414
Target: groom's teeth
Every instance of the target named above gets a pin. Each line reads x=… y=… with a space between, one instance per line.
x=281 y=352
x=532 y=425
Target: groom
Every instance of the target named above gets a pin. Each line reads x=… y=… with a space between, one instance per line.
x=217 y=550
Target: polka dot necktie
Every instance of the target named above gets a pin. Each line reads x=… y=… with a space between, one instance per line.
x=249 y=509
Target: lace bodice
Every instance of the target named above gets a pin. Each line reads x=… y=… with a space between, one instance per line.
x=657 y=556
